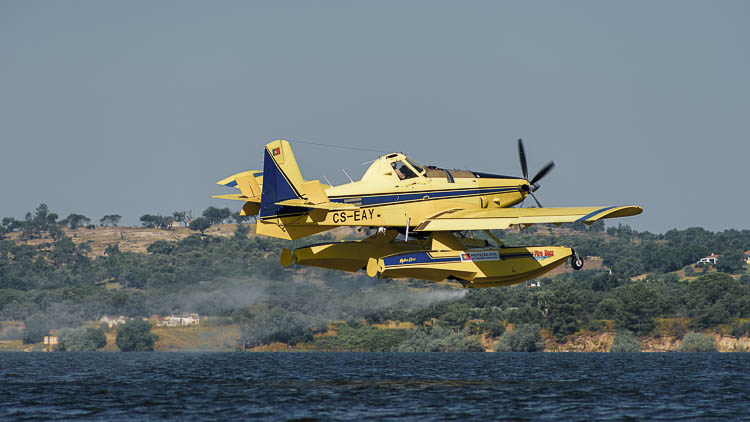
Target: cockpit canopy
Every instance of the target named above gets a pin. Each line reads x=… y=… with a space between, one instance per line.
x=393 y=167
x=397 y=166
x=406 y=171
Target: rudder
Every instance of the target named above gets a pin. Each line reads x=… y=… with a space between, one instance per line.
x=282 y=179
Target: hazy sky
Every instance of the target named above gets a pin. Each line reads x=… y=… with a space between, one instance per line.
x=138 y=107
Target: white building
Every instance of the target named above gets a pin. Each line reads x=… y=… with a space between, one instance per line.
x=113 y=321
x=179 y=321
x=711 y=259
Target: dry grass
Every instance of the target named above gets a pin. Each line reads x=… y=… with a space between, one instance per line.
x=128 y=239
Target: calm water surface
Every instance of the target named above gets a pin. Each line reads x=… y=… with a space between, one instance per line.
x=387 y=386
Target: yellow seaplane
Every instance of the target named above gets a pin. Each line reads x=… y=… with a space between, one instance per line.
x=420 y=216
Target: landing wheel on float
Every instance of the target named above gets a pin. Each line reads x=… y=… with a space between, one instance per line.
x=576 y=261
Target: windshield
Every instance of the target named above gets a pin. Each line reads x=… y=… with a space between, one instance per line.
x=402 y=170
x=413 y=164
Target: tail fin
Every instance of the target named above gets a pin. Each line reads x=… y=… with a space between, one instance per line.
x=282 y=179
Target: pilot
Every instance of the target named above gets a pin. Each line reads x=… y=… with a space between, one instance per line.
x=397 y=171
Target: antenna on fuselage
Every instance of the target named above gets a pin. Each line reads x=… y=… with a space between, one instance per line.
x=329 y=182
x=347 y=175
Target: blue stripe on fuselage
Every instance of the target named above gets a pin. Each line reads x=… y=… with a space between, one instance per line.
x=430 y=194
x=390 y=199
x=416 y=258
x=410 y=258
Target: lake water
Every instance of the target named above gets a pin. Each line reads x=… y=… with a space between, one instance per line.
x=381 y=386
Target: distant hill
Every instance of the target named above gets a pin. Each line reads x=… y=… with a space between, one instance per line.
x=129 y=239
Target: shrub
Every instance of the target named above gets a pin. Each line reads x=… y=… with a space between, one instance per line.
x=625 y=342
x=439 y=339
x=12 y=333
x=82 y=340
x=200 y=224
x=741 y=330
x=362 y=338
x=35 y=328
x=494 y=328
x=697 y=342
x=525 y=338
x=135 y=336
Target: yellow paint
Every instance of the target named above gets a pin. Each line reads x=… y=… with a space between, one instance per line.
x=412 y=198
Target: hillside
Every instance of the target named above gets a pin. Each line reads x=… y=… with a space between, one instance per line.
x=632 y=281
x=137 y=239
x=129 y=239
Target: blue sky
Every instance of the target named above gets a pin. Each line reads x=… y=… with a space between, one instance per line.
x=140 y=107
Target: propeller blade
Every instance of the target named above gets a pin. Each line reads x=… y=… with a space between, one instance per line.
x=543 y=172
x=538 y=204
x=522 y=156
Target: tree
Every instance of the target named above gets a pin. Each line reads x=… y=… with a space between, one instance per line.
x=200 y=224
x=180 y=217
x=625 y=342
x=136 y=336
x=112 y=249
x=638 y=307
x=82 y=340
x=628 y=266
x=9 y=224
x=241 y=231
x=153 y=221
x=731 y=262
x=713 y=299
x=239 y=219
x=456 y=316
x=76 y=220
x=217 y=215
x=439 y=339
x=43 y=218
x=35 y=328
x=697 y=342
x=525 y=338
x=161 y=247
x=110 y=220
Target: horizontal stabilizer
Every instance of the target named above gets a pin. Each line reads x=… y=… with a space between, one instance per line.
x=237 y=197
x=231 y=181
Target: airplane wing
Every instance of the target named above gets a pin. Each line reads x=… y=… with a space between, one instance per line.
x=502 y=218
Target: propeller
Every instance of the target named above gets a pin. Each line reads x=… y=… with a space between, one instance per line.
x=533 y=185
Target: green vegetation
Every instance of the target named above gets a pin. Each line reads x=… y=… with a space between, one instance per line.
x=135 y=336
x=35 y=328
x=697 y=342
x=525 y=338
x=12 y=333
x=439 y=339
x=358 y=337
x=200 y=224
x=161 y=221
x=51 y=282
x=82 y=340
x=216 y=215
x=741 y=330
x=625 y=342
x=110 y=220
